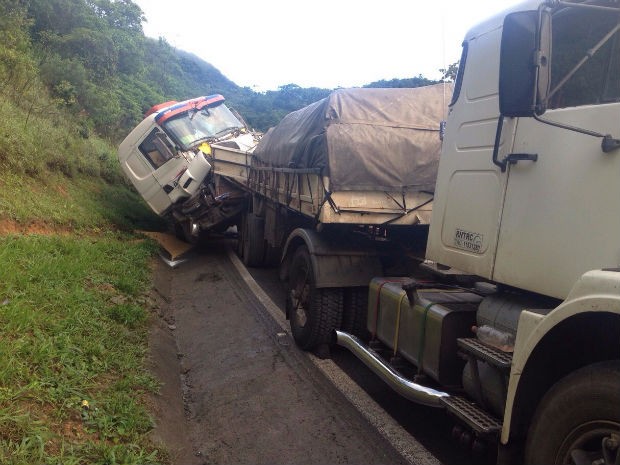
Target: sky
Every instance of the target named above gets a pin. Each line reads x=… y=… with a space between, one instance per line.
x=264 y=44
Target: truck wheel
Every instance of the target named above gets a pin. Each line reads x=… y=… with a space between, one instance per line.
x=355 y=311
x=182 y=232
x=253 y=240
x=576 y=419
x=240 y=231
x=272 y=255
x=314 y=313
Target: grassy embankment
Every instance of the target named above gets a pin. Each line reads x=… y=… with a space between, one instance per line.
x=73 y=325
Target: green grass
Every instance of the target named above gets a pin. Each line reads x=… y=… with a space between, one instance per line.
x=74 y=329
x=73 y=324
x=80 y=204
x=53 y=172
x=74 y=385
x=41 y=140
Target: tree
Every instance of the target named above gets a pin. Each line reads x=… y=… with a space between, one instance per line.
x=418 y=81
x=450 y=73
x=94 y=61
x=17 y=68
x=119 y=14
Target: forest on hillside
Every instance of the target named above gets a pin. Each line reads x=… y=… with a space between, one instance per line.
x=89 y=60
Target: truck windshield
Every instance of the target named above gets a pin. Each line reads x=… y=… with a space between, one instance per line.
x=196 y=126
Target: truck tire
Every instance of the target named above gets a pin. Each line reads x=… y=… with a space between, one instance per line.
x=314 y=314
x=240 y=231
x=182 y=232
x=575 y=417
x=355 y=311
x=272 y=255
x=253 y=240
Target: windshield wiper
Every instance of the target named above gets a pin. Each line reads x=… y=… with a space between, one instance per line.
x=215 y=137
x=203 y=139
x=226 y=131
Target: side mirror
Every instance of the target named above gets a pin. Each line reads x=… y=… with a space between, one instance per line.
x=524 y=70
x=542 y=62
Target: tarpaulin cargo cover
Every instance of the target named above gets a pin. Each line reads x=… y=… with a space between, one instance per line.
x=364 y=139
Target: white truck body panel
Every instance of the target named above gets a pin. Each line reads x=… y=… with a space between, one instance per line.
x=140 y=171
x=150 y=180
x=574 y=186
x=595 y=291
x=500 y=229
x=166 y=173
x=469 y=189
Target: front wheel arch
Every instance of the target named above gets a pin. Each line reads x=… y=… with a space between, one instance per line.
x=576 y=416
x=581 y=340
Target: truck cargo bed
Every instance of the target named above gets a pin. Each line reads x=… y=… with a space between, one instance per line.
x=359 y=156
x=306 y=191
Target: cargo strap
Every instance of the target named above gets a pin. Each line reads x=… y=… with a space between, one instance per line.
x=423 y=338
x=423 y=333
x=400 y=303
x=378 y=304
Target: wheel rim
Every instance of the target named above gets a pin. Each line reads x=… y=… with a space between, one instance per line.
x=300 y=316
x=587 y=444
x=299 y=298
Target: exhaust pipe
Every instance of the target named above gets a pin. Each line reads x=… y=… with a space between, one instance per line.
x=406 y=388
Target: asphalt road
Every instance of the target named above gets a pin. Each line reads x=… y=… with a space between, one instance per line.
x=236 y=389
x=429 y=427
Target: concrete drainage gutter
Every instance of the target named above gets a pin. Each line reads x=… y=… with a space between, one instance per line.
x=406 y=388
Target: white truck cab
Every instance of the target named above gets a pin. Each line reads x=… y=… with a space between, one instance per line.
x=167 y=156
x=512 y=322
x=527 y=197
x=537 y=213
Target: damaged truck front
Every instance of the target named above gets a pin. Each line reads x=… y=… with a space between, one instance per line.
x=167 y=157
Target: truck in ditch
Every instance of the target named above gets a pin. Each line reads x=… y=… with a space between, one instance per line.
x=167 y=159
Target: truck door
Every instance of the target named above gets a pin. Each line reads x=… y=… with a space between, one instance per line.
x=561 y=213
x=470 y=188
x=158 y=154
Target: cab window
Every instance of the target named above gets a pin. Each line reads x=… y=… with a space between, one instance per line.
x=575 y=32
x=157 y=148
x=459 y=74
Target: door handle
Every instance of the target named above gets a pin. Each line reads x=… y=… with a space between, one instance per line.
x=513 y=158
